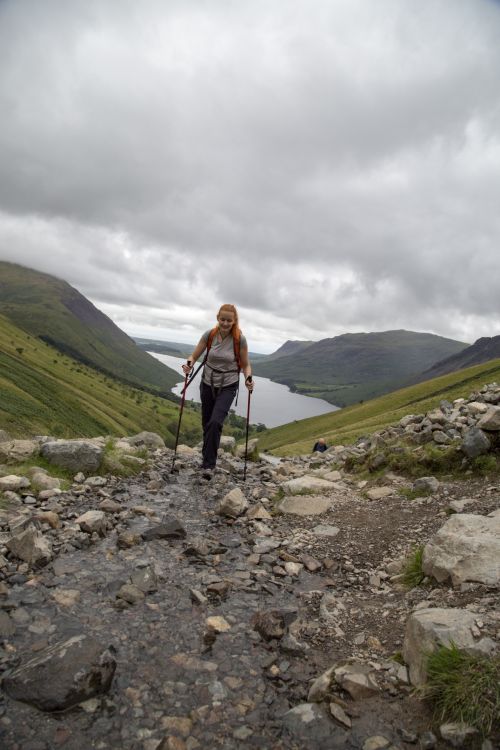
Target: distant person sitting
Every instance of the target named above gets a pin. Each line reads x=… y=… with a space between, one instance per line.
x=320 y=445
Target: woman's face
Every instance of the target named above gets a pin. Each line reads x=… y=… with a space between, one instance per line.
x=226 y=321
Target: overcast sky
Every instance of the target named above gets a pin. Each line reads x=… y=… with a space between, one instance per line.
x=329 y=166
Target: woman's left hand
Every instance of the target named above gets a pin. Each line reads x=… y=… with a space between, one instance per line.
x=249 y=383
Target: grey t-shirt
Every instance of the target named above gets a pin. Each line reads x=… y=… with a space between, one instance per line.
x=221 y=357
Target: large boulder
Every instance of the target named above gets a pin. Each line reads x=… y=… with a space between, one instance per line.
x=150 y=440
x=466 y=548
x=17 y=451
x=477 y=407
x=427 y=629
x=378 y=493
x=228 y=443
x=31 y=546
x=252 y=450
x=12 y=483
x=309 y=726
x=42 y=481
x=170 y=528
x=356 y=679
x=300 y=505
x=73 y=455
x=63 y=675
x=93 y=521
x=475 y=443
x=491 y=420
x=233 y=504
x=307 y=485
x=426 y=484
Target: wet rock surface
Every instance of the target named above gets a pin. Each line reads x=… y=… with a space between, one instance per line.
x=220 y=624
x=62 y=675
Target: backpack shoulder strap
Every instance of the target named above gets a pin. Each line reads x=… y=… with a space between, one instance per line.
x=210 y=339
x=236 y=347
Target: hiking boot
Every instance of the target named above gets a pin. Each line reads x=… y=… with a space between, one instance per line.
x=207 y=474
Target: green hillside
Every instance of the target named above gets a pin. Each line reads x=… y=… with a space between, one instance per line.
x=355 y=367
x=345 y=426
x=55 y=312
x=289 y=348
x=45 y=392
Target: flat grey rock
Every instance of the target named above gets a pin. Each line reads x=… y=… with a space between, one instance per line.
x=305 y=505
x=309 y=724
x=326 y=530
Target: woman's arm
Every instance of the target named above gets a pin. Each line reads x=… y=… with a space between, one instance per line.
x=246 y=367
x=198 y=351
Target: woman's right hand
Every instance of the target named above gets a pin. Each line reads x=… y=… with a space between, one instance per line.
x=187 y=367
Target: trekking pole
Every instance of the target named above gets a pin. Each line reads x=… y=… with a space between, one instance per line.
x=179 y=423
x=246 y=437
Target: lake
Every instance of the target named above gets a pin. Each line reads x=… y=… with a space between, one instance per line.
x=272 y=404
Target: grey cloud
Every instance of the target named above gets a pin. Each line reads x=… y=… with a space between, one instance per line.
x=282 y=156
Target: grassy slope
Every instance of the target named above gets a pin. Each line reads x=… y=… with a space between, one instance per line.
x=45 y=392
x=353 y=367
x=346 y=425
x=48 y=307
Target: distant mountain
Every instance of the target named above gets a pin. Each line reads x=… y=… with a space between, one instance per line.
x=288 y=349
x=481 y=351
x=52 y=310
x=176 y=349
x=354 y=367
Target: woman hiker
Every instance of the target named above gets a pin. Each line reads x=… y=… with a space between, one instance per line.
x=227 y=354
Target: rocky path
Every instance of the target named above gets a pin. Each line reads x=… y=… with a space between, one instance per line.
x=219 y=626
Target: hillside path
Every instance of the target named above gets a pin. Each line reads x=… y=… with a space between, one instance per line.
x=180 y=682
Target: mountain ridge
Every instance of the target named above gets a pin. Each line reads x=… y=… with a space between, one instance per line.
x=353 y=367
x=482 y=350
x=52 y=310
x=289 y=348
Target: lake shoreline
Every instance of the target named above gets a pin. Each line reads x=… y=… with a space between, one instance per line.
x=272 y=404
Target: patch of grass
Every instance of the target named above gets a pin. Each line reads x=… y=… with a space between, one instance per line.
x=440 y=461
x=464 y=687
x=488 y=464
x=356 y=464
x=122 y=464
x=109 y=444
x=413 y=575
x=412 y=494
x=21 y=469
x=404 y=461
x=368 y=476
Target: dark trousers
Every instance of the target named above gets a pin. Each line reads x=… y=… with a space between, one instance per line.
x=215 y=406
